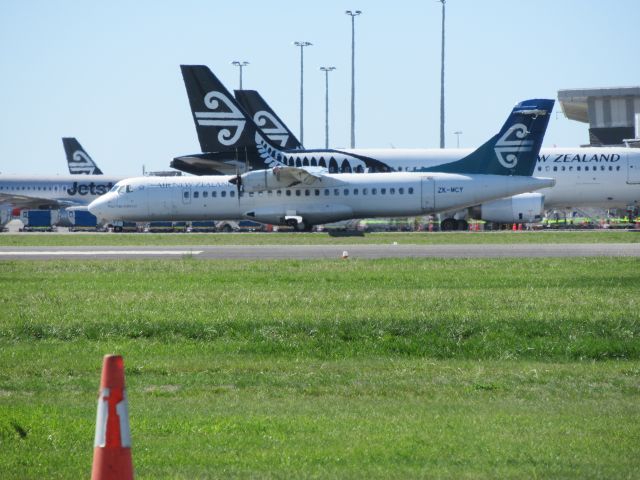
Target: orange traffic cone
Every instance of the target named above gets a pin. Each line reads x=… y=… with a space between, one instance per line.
x=112 y=446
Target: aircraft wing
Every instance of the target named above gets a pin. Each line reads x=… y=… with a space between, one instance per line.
x=304 y=175
x=278 y=177
x=28 y=201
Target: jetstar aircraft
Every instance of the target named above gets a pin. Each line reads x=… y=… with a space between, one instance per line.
x=585 y=177
x=308 y=195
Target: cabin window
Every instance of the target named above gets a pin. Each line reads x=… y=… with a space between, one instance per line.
x=298 y=192
x=279 y=193
x=214 y=194
x=223 y=193
x=185 y=194
x=232 y=193
x=196 y=194
x=205 y=194
x=410 y=190
x=355 y=191
x=602 y=168
x=610 y=168
x=326 y=192
x=374 y=191
x=346 y=192
x=365 y=191
x=392 y=191
x=383 y=191
x=555 y=169
x=578 y=168
x=563 y=168
x=617 y=168
x=270 y=193
x=399 y=169
x=317 y=192
x=401 y=191
x=251 y=194
x=288 y=193
x=336 y=192
x=570 y=168
x=307 y=192
x=539 y=169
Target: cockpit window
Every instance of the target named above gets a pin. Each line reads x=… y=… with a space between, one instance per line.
x=115 y=188
x=121 y=188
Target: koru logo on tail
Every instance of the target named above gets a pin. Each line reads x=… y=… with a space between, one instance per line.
x=275 y=131
x=81 y=163
x=512 y=143
x=229 y=120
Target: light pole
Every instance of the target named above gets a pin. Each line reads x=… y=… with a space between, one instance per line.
x=326 y=71
x=457 y=134
x=353 y=16
x=240 y=65
x=442 y=82
x=302 y=45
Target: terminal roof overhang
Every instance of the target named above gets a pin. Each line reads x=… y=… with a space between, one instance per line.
x=575 y=104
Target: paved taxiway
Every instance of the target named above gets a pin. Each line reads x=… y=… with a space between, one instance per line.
x=326 y=251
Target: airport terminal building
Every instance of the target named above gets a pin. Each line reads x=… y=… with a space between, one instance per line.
x=613 y=114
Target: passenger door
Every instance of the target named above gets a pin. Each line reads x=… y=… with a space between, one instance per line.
x=633 y=168
x=428 y=194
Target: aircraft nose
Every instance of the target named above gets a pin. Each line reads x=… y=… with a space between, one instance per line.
x=99 y=208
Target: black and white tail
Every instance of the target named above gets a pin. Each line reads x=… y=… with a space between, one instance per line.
x=221 y=123
x=267 y=119
x=79 y=161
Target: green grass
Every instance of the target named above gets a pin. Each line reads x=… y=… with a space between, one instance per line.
x=384 y=368
x=82 y=239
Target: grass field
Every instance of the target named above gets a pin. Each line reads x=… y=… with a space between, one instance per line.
x=379 y=369
x=104 y=239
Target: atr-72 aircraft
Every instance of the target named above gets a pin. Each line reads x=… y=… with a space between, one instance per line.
x=585 y=177
x=305 y=196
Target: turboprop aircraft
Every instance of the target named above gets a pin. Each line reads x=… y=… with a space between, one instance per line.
x=606 y=177
x=303 y=196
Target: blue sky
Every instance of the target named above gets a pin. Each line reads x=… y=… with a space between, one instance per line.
x=107 y=72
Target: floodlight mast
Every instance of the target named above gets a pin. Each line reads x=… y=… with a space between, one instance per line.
x=302 y=45
x=353 y=15
x=240 y=65
x=326 y=71
x=442 y=81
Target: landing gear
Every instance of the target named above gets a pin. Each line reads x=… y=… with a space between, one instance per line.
x=298 y=225
x=448 y=224
x=451 y=224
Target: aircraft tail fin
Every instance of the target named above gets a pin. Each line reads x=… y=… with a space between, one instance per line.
x=221 y=123
x=78 y=159
x=514 y=150
x=267 y=120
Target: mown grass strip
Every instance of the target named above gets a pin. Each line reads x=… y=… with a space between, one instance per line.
x=177 y=239
x=474 y=309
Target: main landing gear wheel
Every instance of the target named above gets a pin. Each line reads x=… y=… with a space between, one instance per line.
x=448 y=224
x=462 y=225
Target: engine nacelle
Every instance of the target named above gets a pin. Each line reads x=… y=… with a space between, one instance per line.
x=523 y=208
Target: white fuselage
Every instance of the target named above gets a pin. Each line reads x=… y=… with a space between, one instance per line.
x=53 y=191
x=332 y=197
x=606 y=177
